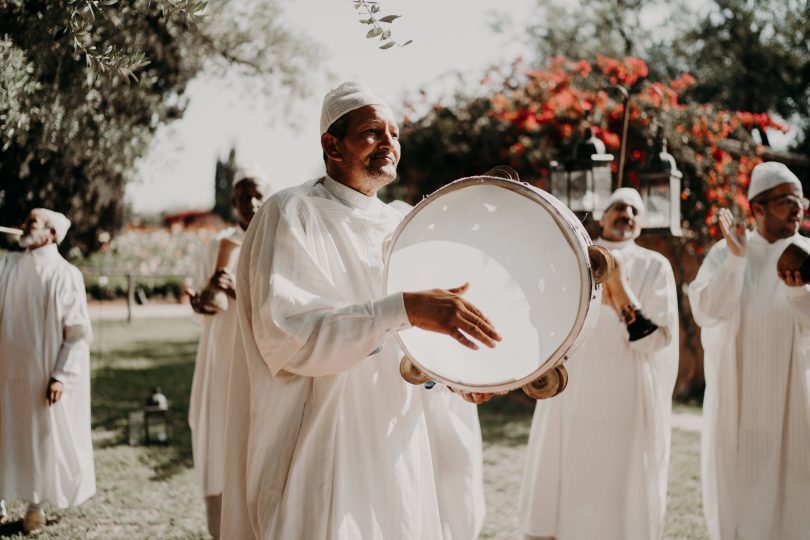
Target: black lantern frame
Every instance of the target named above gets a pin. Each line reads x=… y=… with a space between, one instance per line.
x=584 y=183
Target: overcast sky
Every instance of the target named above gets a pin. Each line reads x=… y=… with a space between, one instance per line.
x=448 y=35
x=177 y=172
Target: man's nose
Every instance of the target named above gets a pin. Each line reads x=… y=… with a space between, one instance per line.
x=388 y=139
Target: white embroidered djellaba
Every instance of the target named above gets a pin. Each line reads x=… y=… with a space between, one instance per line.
x=334 y=444
x=755 y=448
x=598 y=454
x=46 y=452
x=209 y=388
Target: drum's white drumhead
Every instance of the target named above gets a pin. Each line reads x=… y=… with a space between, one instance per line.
x=523 y=270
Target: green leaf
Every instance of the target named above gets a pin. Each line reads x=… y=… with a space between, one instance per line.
x=366 y=21
x=389 y=18
x=374 y=32
x=387 y=45
x=407 y=43
x=375 y=8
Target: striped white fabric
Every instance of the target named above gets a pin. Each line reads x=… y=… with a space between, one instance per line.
x=756 y=445
x=598 y=454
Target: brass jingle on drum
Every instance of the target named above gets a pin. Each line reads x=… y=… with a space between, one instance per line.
x=602 y=263
x=552 y=383
x=411 y=373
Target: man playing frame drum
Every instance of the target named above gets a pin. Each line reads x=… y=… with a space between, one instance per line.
x=598 y=454
x=755 y=319
x=333 y=443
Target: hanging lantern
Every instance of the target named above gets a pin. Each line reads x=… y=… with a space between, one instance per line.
x=155 y=419
x=584 y=182
x=660 y=188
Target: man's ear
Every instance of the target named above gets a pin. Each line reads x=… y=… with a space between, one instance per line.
x=53 y=234
x=330 y=146
x=757 y=209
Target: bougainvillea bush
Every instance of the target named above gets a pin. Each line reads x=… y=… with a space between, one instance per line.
x=527 y=117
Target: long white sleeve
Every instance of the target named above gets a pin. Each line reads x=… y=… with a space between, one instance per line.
x=659 y=303
x=76 y=330
x=307 y=319
x=715 y=293
x=342 y=337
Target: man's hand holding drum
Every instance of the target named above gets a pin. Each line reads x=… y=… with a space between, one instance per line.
x=446 y=311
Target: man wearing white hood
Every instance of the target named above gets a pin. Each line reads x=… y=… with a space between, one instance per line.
x=755 y=449
x=46 y=452
x=598 y=454
x=333 y=443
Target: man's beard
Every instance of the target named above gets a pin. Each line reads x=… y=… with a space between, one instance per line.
x=381 y=176
x=624 y=233
x=33 y=238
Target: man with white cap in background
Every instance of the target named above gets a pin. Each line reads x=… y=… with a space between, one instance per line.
x=206 y=414
x=756 y=440
x=334 y=443
x=598 y=454
x=46 y=452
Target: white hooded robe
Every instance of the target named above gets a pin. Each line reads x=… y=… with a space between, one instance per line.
x=755 y=448
x=333 y=443
x=46 y=452
x=598 y=454
x=209 y=388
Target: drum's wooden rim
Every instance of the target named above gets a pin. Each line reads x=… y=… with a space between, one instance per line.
x=579 y=244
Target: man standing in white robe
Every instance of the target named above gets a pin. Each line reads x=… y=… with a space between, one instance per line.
x=334 y=444
x=46 y=452
x=598 y=454
x=206 y=414
x=755 y=449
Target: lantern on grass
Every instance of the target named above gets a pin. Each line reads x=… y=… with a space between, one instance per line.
x=660 y=188
x=155 y=419
x=584 y=182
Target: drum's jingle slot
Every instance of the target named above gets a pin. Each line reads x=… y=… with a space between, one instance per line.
x=602 y=263
x=552 y=383
x=411 y=373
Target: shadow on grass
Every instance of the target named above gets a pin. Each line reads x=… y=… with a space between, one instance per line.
x=119 y=388
x=506 y=420
x=12 y=528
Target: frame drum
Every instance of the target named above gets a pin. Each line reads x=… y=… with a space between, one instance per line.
x=529 y=264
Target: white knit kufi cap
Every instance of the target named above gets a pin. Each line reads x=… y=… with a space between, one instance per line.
x=254 y=172
x=345 y=98
x=56 y=221
x=768 y=175
x=629 y=196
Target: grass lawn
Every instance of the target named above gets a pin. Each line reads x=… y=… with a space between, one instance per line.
x=151 y=493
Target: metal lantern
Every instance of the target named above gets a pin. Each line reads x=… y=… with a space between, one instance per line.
x=584 y=183
x=660 y=188
x=155 y=419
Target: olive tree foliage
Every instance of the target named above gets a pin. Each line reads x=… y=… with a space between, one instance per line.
x=370 y=13
x=84 y=84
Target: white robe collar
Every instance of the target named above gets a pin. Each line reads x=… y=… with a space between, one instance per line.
x=45 y=252
x=620 y=245
x=762 y=243
x=348 y=196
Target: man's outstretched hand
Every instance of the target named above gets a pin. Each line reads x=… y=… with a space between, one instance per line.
x=446 y=312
